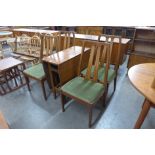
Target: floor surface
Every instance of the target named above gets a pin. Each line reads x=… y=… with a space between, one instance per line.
x=28 y=110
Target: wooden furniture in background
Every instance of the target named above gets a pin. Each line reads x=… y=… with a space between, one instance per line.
x=92 y=30
x=123 y=31
x=11 y=75
x=79 y=38
x=67 y=40
x=3 y=123
x=143 y=49
x=63 y=66
x=142 y=77
x=23 y=49
x=88 y=90
x=31 y=32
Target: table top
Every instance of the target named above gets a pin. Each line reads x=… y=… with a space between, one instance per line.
x=5 y=33
x=95 y=38
x=142 y=76
x=35 y=30
x=64 y=55
x=8 y=63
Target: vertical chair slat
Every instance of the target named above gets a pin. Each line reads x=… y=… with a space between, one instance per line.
x=90 y=63
x=95 y=76
x=119 y=51
x=67 y=39
x=80 y=62
x=103 y=56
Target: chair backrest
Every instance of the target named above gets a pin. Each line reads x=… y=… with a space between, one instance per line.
x=110 y=39
x=50 y=44
x=35 y=42
x=97 y=51
x=67 y=39
x=22 y=43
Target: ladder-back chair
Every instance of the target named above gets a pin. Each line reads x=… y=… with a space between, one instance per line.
x=37 y=71
x=88 y=89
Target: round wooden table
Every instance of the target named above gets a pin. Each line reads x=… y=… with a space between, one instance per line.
x=4 y=34
x=142 y=77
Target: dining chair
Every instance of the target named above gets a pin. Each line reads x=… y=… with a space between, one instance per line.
x=37 y=72
x=88 y=89
x=22 y=43
x=50 y=71
x=35 y=45
x=113 y=70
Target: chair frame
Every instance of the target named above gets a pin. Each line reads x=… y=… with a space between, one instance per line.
x=110 y=39
x=88 y=75
x=45 y=46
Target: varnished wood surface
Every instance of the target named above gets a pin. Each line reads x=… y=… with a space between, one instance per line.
x=64 y=65
x=95 y=38
x=142 y=77
x=143 y=47
x=64 y=55
x=8 y=63
x=34 y=30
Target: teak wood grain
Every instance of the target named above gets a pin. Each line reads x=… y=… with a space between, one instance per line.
x=65 y=64
x=142 y=77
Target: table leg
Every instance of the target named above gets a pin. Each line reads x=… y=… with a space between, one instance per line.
x=145 y=109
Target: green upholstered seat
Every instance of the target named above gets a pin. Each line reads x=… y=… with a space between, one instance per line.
x=83 y=89
x=101 y=72
x=36 y=71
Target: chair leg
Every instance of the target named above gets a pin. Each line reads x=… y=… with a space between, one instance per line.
x=63 y=102
x=27 y=82
x=90 y=108
x=54 y=93
x=105 y=95
x=115 y=82
x=145 y=109
x=43 y=89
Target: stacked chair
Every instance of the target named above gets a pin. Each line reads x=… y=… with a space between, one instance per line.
x=24 y=47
